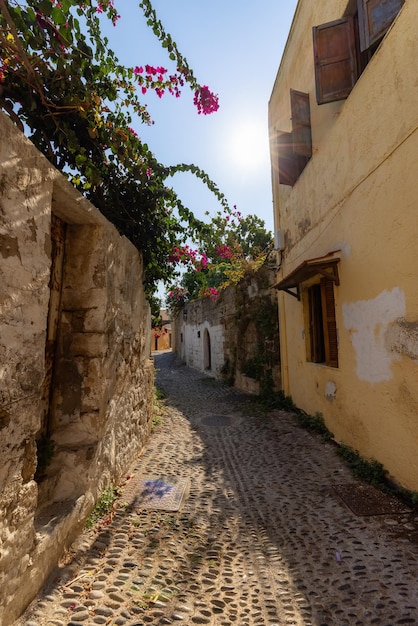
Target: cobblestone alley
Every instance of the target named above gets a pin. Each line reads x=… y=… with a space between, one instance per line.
x=261 y=537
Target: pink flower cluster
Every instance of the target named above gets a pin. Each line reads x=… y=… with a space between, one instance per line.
x=178 y=294
x=205 y=101
x=234 y=215
x=185 y=255
x=224 y=251
x=150 y=77
x=211 y=293
x=159 y=332
x=155 y=78
x=105 y=4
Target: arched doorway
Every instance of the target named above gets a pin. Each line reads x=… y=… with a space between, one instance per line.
x=207 y=354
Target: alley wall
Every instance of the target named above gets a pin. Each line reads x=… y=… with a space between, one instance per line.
x=235 y=338
x=76 y=379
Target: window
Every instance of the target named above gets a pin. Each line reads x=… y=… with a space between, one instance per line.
x=323 y=340
x=295 y=148
x=320 y=305
x=343 y=48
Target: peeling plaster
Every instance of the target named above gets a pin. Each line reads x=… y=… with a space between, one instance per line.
x=9 y=246
x=402 y=338
x=368 y=322
x=330 y=391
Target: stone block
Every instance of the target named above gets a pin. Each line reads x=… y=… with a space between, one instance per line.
x=88 y=345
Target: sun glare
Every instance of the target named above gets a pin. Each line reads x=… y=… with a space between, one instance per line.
x=247 y=145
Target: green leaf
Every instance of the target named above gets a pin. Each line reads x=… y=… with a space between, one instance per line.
x=58 y=16
x=80 y=159
x=65 y=35
x=31 y=14
x=45 y=7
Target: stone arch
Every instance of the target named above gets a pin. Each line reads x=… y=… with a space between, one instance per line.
x=207 y=351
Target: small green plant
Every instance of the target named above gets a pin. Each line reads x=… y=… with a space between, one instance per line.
x=269 y=399
x=228 y=373
x=409 y=497
x=314 y=423
x=255 y=366
x=158 y=394
x=156 y=421
x=157 y=418
x=368 y=470
x=103 y=505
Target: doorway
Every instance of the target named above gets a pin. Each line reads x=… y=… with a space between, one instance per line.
x=207 y=353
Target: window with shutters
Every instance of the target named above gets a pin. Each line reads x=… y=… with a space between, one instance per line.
x=295 y=148
x=323 y=340
x=343 y=48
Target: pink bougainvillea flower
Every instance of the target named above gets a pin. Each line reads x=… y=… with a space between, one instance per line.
x=205 y=101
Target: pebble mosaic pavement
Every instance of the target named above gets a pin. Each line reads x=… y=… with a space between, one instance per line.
x=261 y=539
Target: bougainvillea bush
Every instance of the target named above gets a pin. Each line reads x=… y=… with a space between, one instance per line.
x=231 y=246
x=63 y=85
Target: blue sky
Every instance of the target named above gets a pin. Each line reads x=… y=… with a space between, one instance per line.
x=235 y=48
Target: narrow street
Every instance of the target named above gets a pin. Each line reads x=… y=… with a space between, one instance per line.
x=261 y=536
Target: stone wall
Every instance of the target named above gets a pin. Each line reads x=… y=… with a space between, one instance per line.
x=235 y=338
x=76 y=380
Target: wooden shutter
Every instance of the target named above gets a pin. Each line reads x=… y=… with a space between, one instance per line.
x=301 y=123
x=289 y=168
x=329 y=322
x=316 y=327
x=375 y=17
x=335 y=60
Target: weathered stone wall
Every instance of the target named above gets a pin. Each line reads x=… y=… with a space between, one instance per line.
x=235 y=337
x=76 y=379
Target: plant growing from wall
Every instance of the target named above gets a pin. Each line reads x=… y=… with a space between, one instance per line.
x=227 y=371
x=103 y=506
x=263 y=313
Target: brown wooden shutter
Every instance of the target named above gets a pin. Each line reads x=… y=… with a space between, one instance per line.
x=301 y=123
x=316 y=330
x=335 y=60
x=330 y=325
x=289 y=167
x=375 y=17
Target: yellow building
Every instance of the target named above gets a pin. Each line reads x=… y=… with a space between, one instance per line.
x=343 y=118
x=161 y=338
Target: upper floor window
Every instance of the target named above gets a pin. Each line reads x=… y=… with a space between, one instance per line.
x=295 y=148
x=342 y=48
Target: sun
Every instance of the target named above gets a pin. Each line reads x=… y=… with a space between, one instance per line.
x=247 y=145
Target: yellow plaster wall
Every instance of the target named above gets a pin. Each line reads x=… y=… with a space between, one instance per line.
x=358 y=194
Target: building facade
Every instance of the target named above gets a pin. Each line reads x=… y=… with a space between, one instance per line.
x=343 y=118
x=161 y=337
